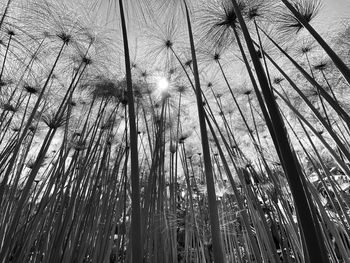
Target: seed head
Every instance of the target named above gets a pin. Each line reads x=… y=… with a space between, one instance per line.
x=321 y=66
x=288 y=23
x=30 y=89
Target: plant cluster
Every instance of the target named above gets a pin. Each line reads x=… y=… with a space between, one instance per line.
x=218 y=140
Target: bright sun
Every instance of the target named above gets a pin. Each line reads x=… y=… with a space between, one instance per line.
x=162 y=84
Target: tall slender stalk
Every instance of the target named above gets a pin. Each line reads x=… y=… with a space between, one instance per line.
x=335 y=58
x=136 y=239
x=316 y=251
x=213 y=211
x=5 y=12
x=28 y=124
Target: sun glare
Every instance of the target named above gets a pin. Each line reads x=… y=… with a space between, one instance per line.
x=162 y=84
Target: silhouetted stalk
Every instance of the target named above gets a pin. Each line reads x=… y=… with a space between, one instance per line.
x=253 y=118
x=262 y=53
x=150 y=189
x=213 y=212
x=329 y=177
x=309 y=157
x=312 y=81
x=325 y=217
x=41 y=155
x=150 y=141
x=136 y=238
x=25 y=130
x=315 y=132
x=318 y=92
x=328 y=84
x=235 y=189
x=238 y=170
x=189 y=191
x=5 y=56
x=335 y=98
x=266 y=114
x=5 y=12
x=335 y=58
x=250 y=132
x=339 y=143
x=316 y=251
x=314 y=109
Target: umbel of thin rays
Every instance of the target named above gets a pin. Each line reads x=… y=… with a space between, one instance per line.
x=219 y=145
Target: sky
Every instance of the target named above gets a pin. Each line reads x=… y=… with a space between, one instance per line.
x=333 y=12
x=338 y=6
